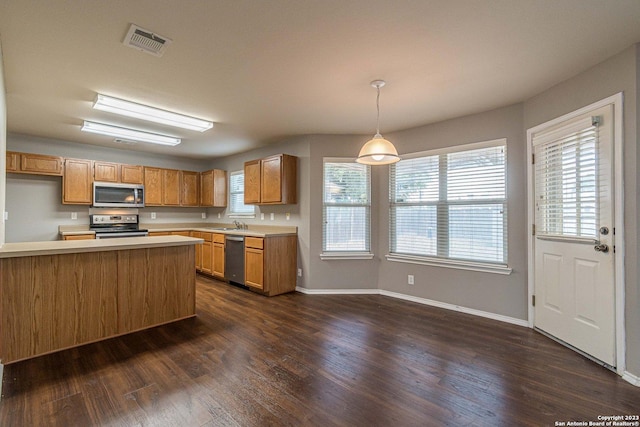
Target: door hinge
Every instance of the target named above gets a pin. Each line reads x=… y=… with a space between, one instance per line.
x=533 y=229
x=533 y=300
x=533 y=158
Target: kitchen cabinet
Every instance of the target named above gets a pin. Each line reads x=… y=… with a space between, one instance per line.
x=77 y=182
x=207 y=253
x=213 y=188
x=106 y=172
x=131 y=174
x=152 y=186
x=117 y=172
x=159 y=233
x=271 y=180
x=35 y=164
x=270 y=264
x=218 y=246
x=198 y=235
x=189 y=186
x=13 y=160
x=162 y=187
x=88 y=236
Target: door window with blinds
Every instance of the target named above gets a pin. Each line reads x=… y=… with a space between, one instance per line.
x=346 y=208
x=567 y=190
x=451 y=204
x=237 y=208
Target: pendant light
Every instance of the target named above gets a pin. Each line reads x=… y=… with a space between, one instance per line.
x=378 y=151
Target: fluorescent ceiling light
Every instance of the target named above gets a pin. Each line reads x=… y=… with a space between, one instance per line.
x=152 y=114
x=129 y=134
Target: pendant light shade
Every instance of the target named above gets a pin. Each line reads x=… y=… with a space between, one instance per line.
x=378 y=151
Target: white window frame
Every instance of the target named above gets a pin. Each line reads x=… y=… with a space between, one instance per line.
x=483 y=266
x=231 y=213
x=346 y=255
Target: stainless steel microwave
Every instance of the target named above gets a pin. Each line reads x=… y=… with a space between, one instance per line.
x=110 y=195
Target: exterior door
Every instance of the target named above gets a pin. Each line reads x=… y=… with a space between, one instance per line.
x=574 y=284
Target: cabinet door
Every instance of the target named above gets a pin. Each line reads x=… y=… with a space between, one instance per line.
x=79 y=237
x=152 y=186
x=252 y=182
x=206 y=188
x=189 y=188
x=40 y=164
x=198 y=234
x=77 y=182
x=271 y=182
x=12 y=161
x=131 y=174
x=207 y=257
x=254 y=267
x=171 y=187
x=219 y=188
x=218 y=260
x=105 y=172
x=159 y=233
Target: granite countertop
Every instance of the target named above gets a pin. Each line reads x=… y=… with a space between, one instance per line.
x=56 y=247
x=253 y=230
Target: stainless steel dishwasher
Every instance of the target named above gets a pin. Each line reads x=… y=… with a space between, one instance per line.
x=234 y=259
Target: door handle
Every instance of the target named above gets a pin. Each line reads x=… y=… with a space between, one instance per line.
x=601 y=247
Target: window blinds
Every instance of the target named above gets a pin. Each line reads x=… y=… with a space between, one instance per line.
x=451 y=205
x=566 y=170
x=346 y=206
x=236 y=195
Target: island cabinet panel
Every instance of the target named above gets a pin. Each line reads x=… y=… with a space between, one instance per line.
x=54 y=302
x=153 y=288
x=77 y=182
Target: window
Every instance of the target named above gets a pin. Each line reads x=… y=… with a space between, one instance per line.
x=346 y=209
x=236 y=196
x=450 y=205
x=567 y=183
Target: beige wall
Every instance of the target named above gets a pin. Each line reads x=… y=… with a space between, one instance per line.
x=620 y=73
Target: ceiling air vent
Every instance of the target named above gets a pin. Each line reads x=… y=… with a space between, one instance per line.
x=145 y=40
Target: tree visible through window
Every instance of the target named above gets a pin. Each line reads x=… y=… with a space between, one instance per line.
x=346 y=206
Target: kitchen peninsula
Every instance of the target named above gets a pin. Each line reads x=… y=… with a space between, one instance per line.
x=62 y=294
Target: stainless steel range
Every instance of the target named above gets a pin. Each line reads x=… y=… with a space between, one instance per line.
x=114 y=226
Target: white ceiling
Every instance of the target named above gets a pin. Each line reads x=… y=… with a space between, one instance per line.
x=263 y=70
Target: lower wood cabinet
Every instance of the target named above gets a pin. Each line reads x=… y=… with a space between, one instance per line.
x=198 y=235
x=207 y=253
x=218 y=255
x=270 y=264
x=79 y=237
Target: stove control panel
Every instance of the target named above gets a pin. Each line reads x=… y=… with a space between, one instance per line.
x=113 y=219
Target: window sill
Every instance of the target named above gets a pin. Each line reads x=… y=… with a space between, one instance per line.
x=447 y=263
x=241 y=216
x=329 y=256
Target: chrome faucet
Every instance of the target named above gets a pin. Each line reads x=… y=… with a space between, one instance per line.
x=240 y=225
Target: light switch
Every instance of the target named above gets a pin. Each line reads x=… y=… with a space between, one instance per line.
x=204 y=215
x=218 y=215
x=74 y=215
x=273 y=216
x=262 y=216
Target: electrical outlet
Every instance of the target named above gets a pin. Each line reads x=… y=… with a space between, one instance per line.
x=262 y=216
x=6 y=216
x=74 y=215
x=218 y=215
x=299 y=272
x=204 y=215
x=153 y=215
x=287 y=216
x=273 y=216
x=410 y=280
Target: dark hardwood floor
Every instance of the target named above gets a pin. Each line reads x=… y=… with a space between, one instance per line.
x=296 y=359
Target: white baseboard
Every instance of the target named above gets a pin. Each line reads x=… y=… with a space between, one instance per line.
x=425 y=301
x=630 y=378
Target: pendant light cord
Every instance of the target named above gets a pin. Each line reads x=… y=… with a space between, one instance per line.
x=378 y=108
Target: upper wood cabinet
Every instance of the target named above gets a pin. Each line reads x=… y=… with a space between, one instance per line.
x=272 y=180
x=189 y=185
x=116 y=172
x=213 y=188
x=152 y=186
x=170 y=187
x=13 y=161
x=77 y=182
x=36 y=164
